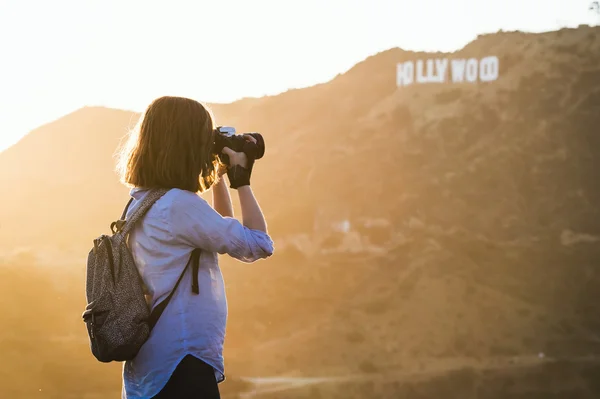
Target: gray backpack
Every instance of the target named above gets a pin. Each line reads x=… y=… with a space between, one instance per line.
x=117 y=316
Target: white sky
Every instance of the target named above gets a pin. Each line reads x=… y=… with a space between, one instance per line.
x=58 y=55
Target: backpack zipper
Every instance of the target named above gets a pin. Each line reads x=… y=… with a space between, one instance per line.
x=92 y=326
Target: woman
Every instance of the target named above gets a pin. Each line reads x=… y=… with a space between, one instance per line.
x=172 y=148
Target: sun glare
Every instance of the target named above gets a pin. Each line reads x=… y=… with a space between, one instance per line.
x=69 y=53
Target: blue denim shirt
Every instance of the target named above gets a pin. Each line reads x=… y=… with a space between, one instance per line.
x=194 y=324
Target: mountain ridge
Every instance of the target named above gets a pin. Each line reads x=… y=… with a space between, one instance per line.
x=367 y=91
x=392 y=52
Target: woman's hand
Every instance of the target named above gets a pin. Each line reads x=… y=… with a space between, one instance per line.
x=238 y=158
x=240 y=167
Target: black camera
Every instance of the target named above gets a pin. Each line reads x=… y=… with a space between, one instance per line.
x=225 y=137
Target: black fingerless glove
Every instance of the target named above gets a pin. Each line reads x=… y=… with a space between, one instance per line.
x=238 y=176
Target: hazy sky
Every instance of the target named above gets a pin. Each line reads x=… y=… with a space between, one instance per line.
x=58 y=55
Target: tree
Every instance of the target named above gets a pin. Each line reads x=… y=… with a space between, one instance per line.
x=595 y=6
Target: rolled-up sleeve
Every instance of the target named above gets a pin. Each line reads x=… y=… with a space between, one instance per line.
x=195 y=223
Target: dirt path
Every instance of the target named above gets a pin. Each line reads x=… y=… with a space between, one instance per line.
x=264 y=385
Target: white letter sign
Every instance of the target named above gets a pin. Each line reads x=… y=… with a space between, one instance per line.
x=436 y=70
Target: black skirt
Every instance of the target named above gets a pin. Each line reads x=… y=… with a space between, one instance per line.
x=192 y=379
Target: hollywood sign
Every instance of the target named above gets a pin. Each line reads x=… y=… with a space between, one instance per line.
x=436 y=71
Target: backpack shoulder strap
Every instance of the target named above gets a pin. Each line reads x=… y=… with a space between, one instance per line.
x=159 y=309
x=117 y=225
x=124 y=225
x=124 y=214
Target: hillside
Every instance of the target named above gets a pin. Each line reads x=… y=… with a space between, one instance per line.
x=472 y=213
x=57 y=176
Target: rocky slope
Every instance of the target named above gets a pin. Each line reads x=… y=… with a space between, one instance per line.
x=488 y=207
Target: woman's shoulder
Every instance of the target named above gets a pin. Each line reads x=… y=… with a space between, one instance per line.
x=188 y=214
x=177 y=198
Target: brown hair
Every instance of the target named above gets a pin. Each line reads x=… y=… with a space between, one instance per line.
x=171 y=147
